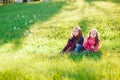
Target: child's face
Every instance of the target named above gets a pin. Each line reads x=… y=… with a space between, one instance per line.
x=75 y=32
x=93 y=34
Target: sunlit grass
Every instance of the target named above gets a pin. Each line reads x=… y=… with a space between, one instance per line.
x=31 y=40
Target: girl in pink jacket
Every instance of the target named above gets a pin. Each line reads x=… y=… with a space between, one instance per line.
x=91 y=44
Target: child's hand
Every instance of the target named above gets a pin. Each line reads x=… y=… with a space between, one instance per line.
x=92 y=47
x=71 y=36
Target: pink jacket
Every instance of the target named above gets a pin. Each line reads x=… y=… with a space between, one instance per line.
x=90 y=42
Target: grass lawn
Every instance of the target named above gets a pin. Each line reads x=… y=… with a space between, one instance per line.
x=32 y=35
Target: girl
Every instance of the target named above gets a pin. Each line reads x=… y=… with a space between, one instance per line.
x=76 y=37
x=92 y=42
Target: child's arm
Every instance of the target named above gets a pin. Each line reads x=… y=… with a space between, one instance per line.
x=71 y=36
x=85 y=43
x=72 y=47
x=96 y=48
x=92 y=47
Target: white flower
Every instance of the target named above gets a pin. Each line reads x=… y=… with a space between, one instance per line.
x=25 y=34
x=14 y=27
x=23 y=16
x=30 y=21
x=18 y=15
x=27 y=31
x=26 y=23
x=34 y=16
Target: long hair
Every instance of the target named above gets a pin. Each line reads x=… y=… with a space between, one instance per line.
x=80 y=32
x=97 y=39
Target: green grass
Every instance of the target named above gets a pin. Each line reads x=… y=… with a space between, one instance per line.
x=32 y=35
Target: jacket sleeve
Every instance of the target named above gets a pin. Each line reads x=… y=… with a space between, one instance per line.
x=72 y=47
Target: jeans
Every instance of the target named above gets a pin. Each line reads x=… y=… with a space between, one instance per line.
x=77 y=48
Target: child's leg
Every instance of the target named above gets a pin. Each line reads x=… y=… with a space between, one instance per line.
x=77 y=48
x=84 y=51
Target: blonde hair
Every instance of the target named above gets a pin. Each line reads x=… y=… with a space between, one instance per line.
x=97 y=40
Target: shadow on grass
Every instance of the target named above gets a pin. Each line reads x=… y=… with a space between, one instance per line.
x=91 y=55
x=16 y=19
x=84 y=24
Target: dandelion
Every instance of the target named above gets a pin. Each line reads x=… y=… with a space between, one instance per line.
x=23 y=16
x=14 y=27
x=27 y=31
x=25 y=34
x=30 y=21
x=18 y=15
x=25 y=23
x=34 y=16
